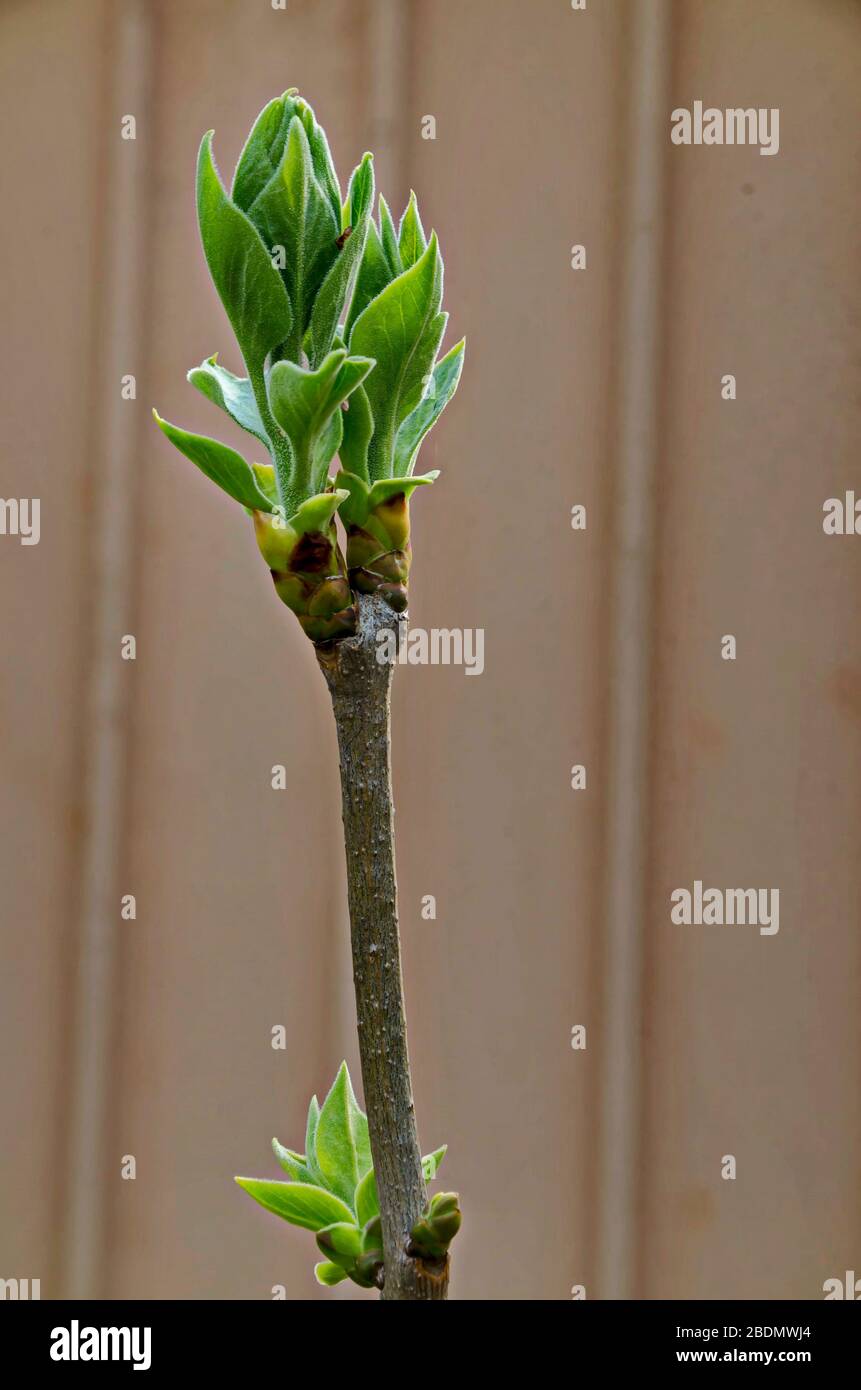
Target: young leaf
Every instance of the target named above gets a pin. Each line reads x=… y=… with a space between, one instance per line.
x=405 y=328
x=250 y=287
x=329 y=1274
x=327 y=445
x=372 y=1235
x=310 y=1138
x=358 y=426
x=446 y=375
x=366 y=1199
x=263 y=150
x=431 y=1163
x=360 y=500
x=315 y=514
x=264 y=476
x=387 y=489
x=294 y=1164
x=341 y=1242
x=389 y=240
x=232 y=394
x=321 y=158
x=295 y=213
x=297 y=1202
x=332 y=294
x=411 y=234
x=372 y=277
x=303 y=402
x=221 y=464
x=342 y=1141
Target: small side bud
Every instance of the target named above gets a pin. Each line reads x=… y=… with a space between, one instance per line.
x=433 y=1233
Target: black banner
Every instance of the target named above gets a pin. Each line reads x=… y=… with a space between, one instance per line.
x=66 y=1338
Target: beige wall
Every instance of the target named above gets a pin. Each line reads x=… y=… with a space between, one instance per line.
x=152 y=1037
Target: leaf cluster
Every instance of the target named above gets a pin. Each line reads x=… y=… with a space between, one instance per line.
x=338 y=318
x=331 y=1188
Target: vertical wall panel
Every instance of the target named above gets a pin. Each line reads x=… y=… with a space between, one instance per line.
x=752 y=1045
x=49 y=251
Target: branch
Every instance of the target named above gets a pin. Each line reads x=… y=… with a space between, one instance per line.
x=360 y=687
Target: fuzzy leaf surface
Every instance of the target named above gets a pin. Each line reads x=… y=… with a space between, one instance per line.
x=248 y=284
x=331 y=297
x=443 y=384
x=342 y=1141
x=295 y=213
x=232 y=394
x=405 y=327
x=299 y=1203
x=221 y=465
x=411 y=234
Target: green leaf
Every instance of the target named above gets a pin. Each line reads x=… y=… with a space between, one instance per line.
x=367 y=1199
x=405 y=328
x=384 y=489
x=341 y=1242
x=303 y=402
x=295 y=213
x=411 y=234
x=232 y=394
x=389 y=240
x=332 y=295
x=302 y=1204
x=372 y=277
x=372 y=1235
x=294 y=1164
x=431 y=1163
x=221 y=464
x=250 y=287
x=310 y=1138
x=329 y=1274
x=343 y=1144
x=327 y=445
x=321 y=158
x=443 y=384
x=358 y=426
x=264 y=149
x=264 y=476
x=315 y=514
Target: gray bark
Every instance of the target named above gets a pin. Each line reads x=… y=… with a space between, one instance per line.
x=360 y=687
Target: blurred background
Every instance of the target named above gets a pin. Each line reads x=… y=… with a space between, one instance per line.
x=599 y=387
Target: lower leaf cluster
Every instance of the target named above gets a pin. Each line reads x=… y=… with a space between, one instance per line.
x=332 y=1190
